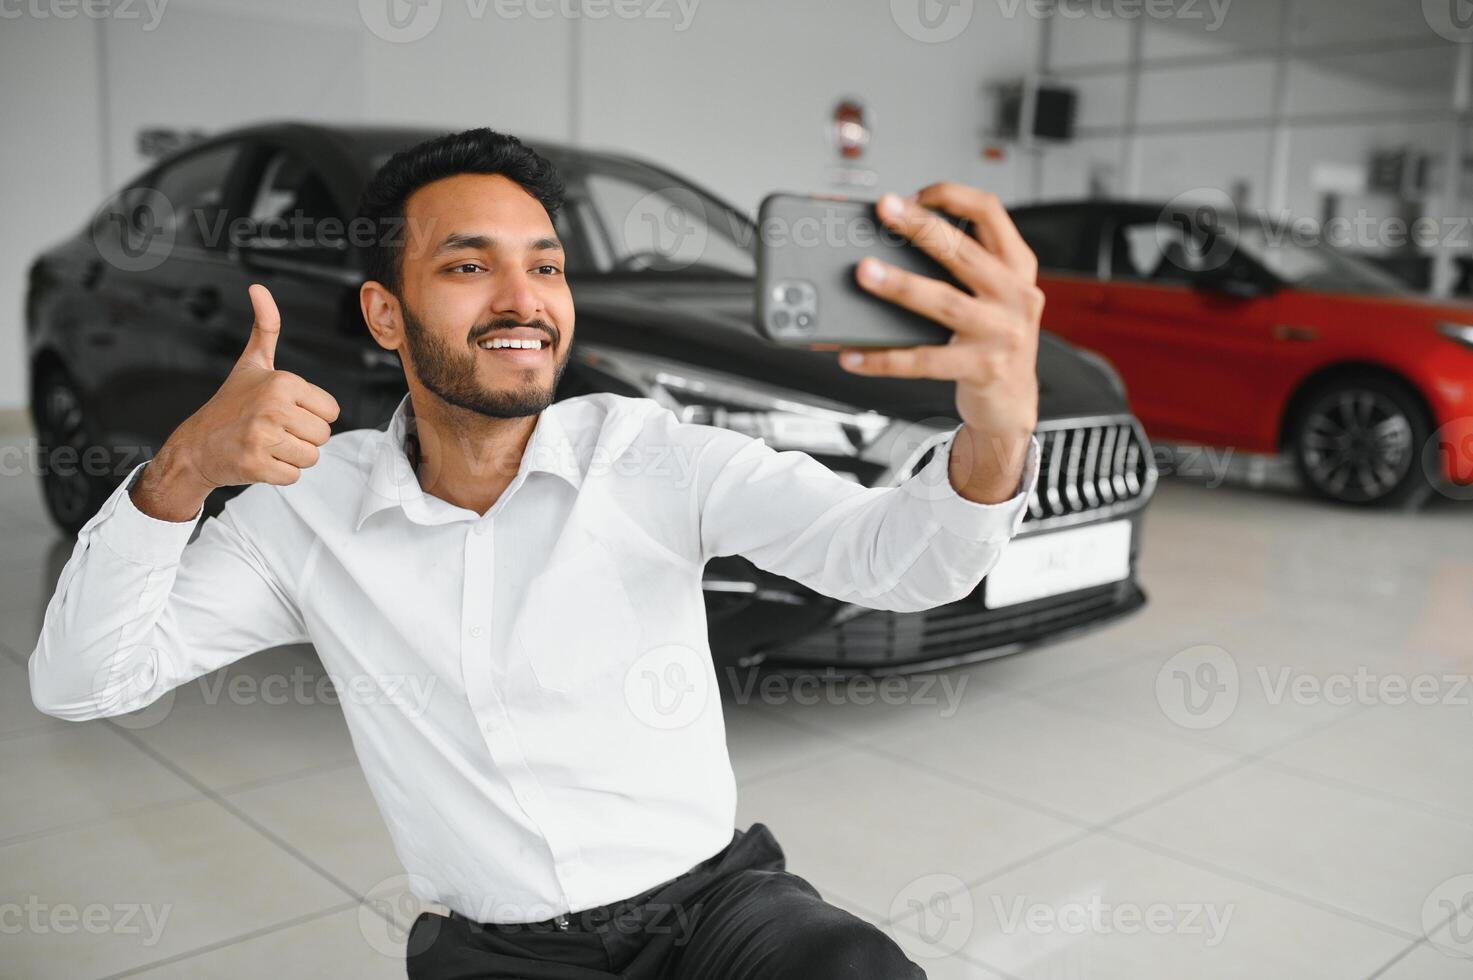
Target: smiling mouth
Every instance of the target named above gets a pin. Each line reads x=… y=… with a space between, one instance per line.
x=526 y=351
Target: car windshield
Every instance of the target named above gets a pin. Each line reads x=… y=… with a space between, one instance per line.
x=1317 y=266
x=633 y=219
x=636 y=220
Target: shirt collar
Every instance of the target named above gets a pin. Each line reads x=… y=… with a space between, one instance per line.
x=392 y=481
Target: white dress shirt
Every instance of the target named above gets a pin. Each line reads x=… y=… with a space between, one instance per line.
x=533 y=699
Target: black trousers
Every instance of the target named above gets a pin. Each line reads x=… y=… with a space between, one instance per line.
x=739 y=915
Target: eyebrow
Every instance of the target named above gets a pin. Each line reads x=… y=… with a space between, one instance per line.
x=455 y=243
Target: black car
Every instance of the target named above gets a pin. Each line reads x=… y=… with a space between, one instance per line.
x=134 y=321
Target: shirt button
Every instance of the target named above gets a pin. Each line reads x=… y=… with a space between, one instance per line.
x=475 y=631
x=480 y=529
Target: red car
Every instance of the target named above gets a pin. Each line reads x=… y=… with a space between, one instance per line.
x=1251 y=338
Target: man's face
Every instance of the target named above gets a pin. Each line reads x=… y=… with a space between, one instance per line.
x=482 y=261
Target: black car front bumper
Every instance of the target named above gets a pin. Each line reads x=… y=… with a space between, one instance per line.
x=881 y=642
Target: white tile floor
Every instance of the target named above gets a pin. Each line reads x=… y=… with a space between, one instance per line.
x=1084 y=810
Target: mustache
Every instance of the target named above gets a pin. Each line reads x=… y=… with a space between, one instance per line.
x=485 y=329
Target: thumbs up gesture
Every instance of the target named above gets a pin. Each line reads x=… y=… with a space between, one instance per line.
x=261 y=426
x=260 y=349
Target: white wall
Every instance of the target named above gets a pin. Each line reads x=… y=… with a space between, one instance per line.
x=511 y=74
x=1211 y=125
x=211 y=67
x=741 y=98
x=50 y=157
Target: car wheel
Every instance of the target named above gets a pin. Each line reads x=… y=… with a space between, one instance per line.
x=1358 y=441
x=65 y=435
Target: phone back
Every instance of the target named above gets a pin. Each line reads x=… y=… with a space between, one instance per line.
x=807 y=295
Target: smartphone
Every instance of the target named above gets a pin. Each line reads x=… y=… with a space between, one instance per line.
x=807 y=296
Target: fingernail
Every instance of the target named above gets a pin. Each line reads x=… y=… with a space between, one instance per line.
x=872 y=271
x=851 y=358
x=889 y=205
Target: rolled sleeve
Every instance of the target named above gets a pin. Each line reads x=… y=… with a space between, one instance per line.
x=967 y=518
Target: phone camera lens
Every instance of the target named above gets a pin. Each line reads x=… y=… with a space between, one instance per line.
x=781 y=318
x=794 y=296
x=804 y=321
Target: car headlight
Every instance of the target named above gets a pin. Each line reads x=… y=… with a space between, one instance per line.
x=1460 y=332
x=784 y=422
x=784 y=419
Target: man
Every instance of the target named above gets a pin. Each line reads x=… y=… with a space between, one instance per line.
x=533 y=567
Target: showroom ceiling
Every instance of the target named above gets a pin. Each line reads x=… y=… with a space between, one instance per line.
x=1414 y=57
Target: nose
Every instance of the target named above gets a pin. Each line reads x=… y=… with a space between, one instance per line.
x=515 y=296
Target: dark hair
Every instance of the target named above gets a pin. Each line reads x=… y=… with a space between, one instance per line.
x=472 y=151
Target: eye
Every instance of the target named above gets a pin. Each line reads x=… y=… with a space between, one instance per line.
x=550 y=270
x=464 y=265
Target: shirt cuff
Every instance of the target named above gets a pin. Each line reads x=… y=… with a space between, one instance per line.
x=134 y=535
x=968 y=518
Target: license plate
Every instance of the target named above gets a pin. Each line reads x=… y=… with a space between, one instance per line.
x=1064 y=561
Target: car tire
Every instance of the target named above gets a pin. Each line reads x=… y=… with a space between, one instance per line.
x=72 y=494
x=1358 y=441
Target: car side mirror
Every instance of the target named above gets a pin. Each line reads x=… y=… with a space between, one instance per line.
x=1232 y=281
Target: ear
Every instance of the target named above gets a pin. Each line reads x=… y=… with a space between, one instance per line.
x=381 y=313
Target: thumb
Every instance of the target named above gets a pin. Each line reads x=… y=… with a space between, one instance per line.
x=261 y=348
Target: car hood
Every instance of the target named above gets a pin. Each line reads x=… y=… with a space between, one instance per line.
x=711 y=324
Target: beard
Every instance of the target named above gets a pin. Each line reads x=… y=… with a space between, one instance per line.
x=451 y=373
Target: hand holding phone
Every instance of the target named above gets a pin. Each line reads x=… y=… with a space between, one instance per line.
x=975 y=321
x=807 y=296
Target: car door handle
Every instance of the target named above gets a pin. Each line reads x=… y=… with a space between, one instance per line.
x=202 y=301
x=1294 y=332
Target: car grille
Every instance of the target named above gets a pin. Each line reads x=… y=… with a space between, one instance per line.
x=1088 y=469
x=1092 y=469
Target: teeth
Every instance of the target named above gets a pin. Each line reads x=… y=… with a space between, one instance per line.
x=504 y=342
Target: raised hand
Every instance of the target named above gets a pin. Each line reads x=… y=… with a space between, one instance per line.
x=262 y=426
x=993 y=350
